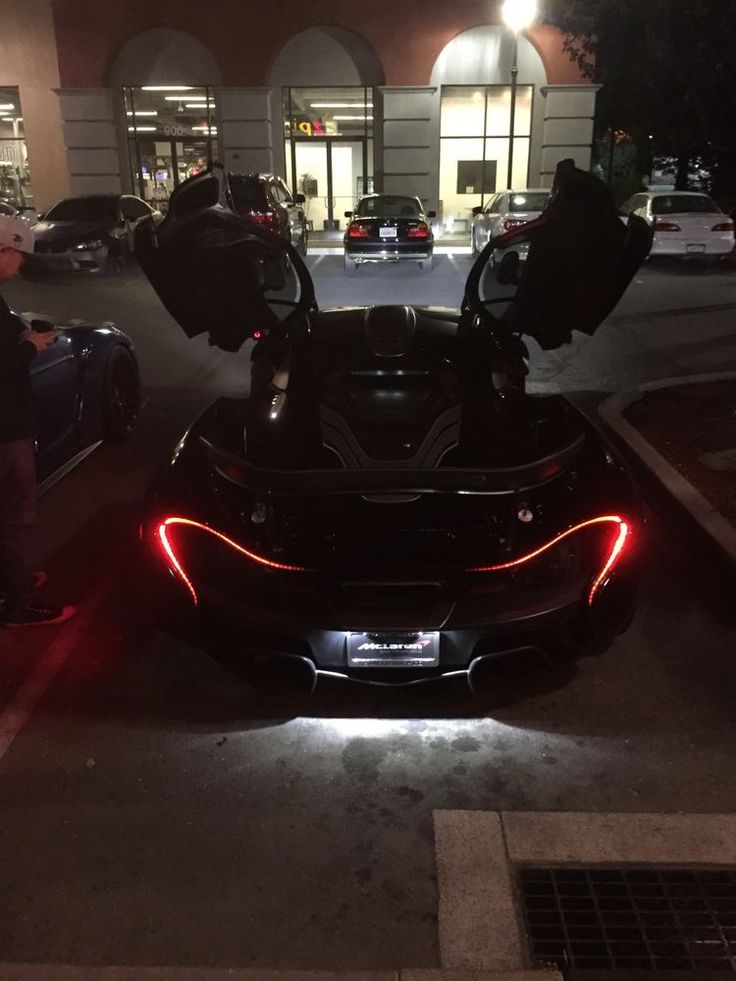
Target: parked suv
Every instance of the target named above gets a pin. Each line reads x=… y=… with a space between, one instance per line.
x=267 y=201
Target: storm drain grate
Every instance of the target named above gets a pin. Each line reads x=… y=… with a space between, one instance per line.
x=637 y=918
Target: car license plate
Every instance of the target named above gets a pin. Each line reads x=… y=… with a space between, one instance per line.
x=695 y=248
x=387 y=232
x=394 y=650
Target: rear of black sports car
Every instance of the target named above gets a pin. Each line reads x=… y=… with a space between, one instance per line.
x=388 y=587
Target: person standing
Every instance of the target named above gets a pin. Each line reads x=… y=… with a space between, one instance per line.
x=18 y=347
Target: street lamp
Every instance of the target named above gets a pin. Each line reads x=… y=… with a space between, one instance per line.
x=518 y=15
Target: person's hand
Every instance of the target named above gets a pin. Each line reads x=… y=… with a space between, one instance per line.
x=40 y=341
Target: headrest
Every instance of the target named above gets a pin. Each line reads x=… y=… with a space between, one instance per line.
x=389 y=330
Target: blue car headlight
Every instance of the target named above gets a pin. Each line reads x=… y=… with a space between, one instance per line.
x=95 y=243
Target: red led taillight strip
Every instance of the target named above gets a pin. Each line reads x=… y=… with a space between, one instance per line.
x=623 y=533
x=167 y=546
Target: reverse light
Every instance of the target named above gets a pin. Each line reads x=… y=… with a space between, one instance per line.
x=173 y=557
x=666 y=226
x=724 y=226
x=421 y=231
x=620 y=540
x=356 y=230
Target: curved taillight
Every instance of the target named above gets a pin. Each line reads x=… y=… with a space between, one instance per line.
x=619 y=541
x=419 y=231
x=356 y=230
x=666 y=226
x=165 y=533
x=724 y=226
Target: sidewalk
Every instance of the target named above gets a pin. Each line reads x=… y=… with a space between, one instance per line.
x=704 y=514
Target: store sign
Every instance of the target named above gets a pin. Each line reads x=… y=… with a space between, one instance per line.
x=172 y=129
x=309 y=127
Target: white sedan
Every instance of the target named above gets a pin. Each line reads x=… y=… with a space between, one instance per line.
x=502 y=213
x=686 y=224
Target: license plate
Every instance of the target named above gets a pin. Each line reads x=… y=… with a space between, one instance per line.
x=695 y=248
x=387 y=232
x=394 y=650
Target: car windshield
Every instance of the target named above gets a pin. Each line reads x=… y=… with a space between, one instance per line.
x=84 y=209
x=529 y=201
x=387 y=206
x=247 y=192
x=683 y=204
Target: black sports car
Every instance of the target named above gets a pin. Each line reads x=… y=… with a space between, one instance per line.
x=388 y=228
x=389 y=505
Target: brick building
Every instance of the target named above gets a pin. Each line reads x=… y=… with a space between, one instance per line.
x=338 y=96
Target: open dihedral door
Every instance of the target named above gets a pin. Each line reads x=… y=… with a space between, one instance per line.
x=215 y=272
x=581 y=258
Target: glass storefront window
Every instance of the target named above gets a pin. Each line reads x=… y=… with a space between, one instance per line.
x=15 y=179
x=474 y=147
x=172 y=135
x=328 y=144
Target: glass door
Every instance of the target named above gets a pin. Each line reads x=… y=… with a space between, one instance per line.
x=331 y=174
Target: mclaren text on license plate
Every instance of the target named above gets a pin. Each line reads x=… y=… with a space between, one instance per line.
x=387 y=232
x=393 y=650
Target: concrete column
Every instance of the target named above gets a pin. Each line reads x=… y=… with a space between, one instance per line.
x=568 y=127
x=246 y=131
x=95 y=154
x=410 y=162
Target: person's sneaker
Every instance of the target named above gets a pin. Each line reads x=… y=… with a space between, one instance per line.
x=37 y=616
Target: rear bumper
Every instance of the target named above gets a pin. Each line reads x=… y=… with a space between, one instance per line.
x=384 y=252
x=694 y=249
x=468 y=635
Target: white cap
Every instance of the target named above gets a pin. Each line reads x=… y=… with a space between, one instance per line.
x=16 y=234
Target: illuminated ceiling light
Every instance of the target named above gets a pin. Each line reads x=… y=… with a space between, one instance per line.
x=199 y=105
x=353 y=117
x=143 y=112
x=204 y=129
x=340 y=105
x=6 y=105
x=141 y=129
x=519 y=14
x=168 y=88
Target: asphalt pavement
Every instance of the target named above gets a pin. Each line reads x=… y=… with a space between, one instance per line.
x=160 y=819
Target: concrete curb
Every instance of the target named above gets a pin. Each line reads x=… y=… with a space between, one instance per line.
x=712 y=522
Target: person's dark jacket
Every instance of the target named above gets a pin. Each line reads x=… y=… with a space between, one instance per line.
x=17 y=415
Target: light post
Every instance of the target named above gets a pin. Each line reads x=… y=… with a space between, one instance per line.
x=518 y=15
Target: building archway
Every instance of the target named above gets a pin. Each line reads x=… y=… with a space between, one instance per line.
x=477 y=147
x=327 y=107
x=167 y=80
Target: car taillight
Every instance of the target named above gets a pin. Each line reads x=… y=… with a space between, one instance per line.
x=169 y=540
x=607 y=555
x=420 y=231
x=356 y=230
x=666 y=226
x=268 y=218
x=724 y=226
x=509 y=224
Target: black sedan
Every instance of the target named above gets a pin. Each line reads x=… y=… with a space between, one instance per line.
x=92 y=233
x=388 y=228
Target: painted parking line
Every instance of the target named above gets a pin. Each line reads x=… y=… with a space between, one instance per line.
x=18 y=712
x=480 y=924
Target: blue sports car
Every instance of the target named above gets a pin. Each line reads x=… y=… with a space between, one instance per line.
x=87 y=388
